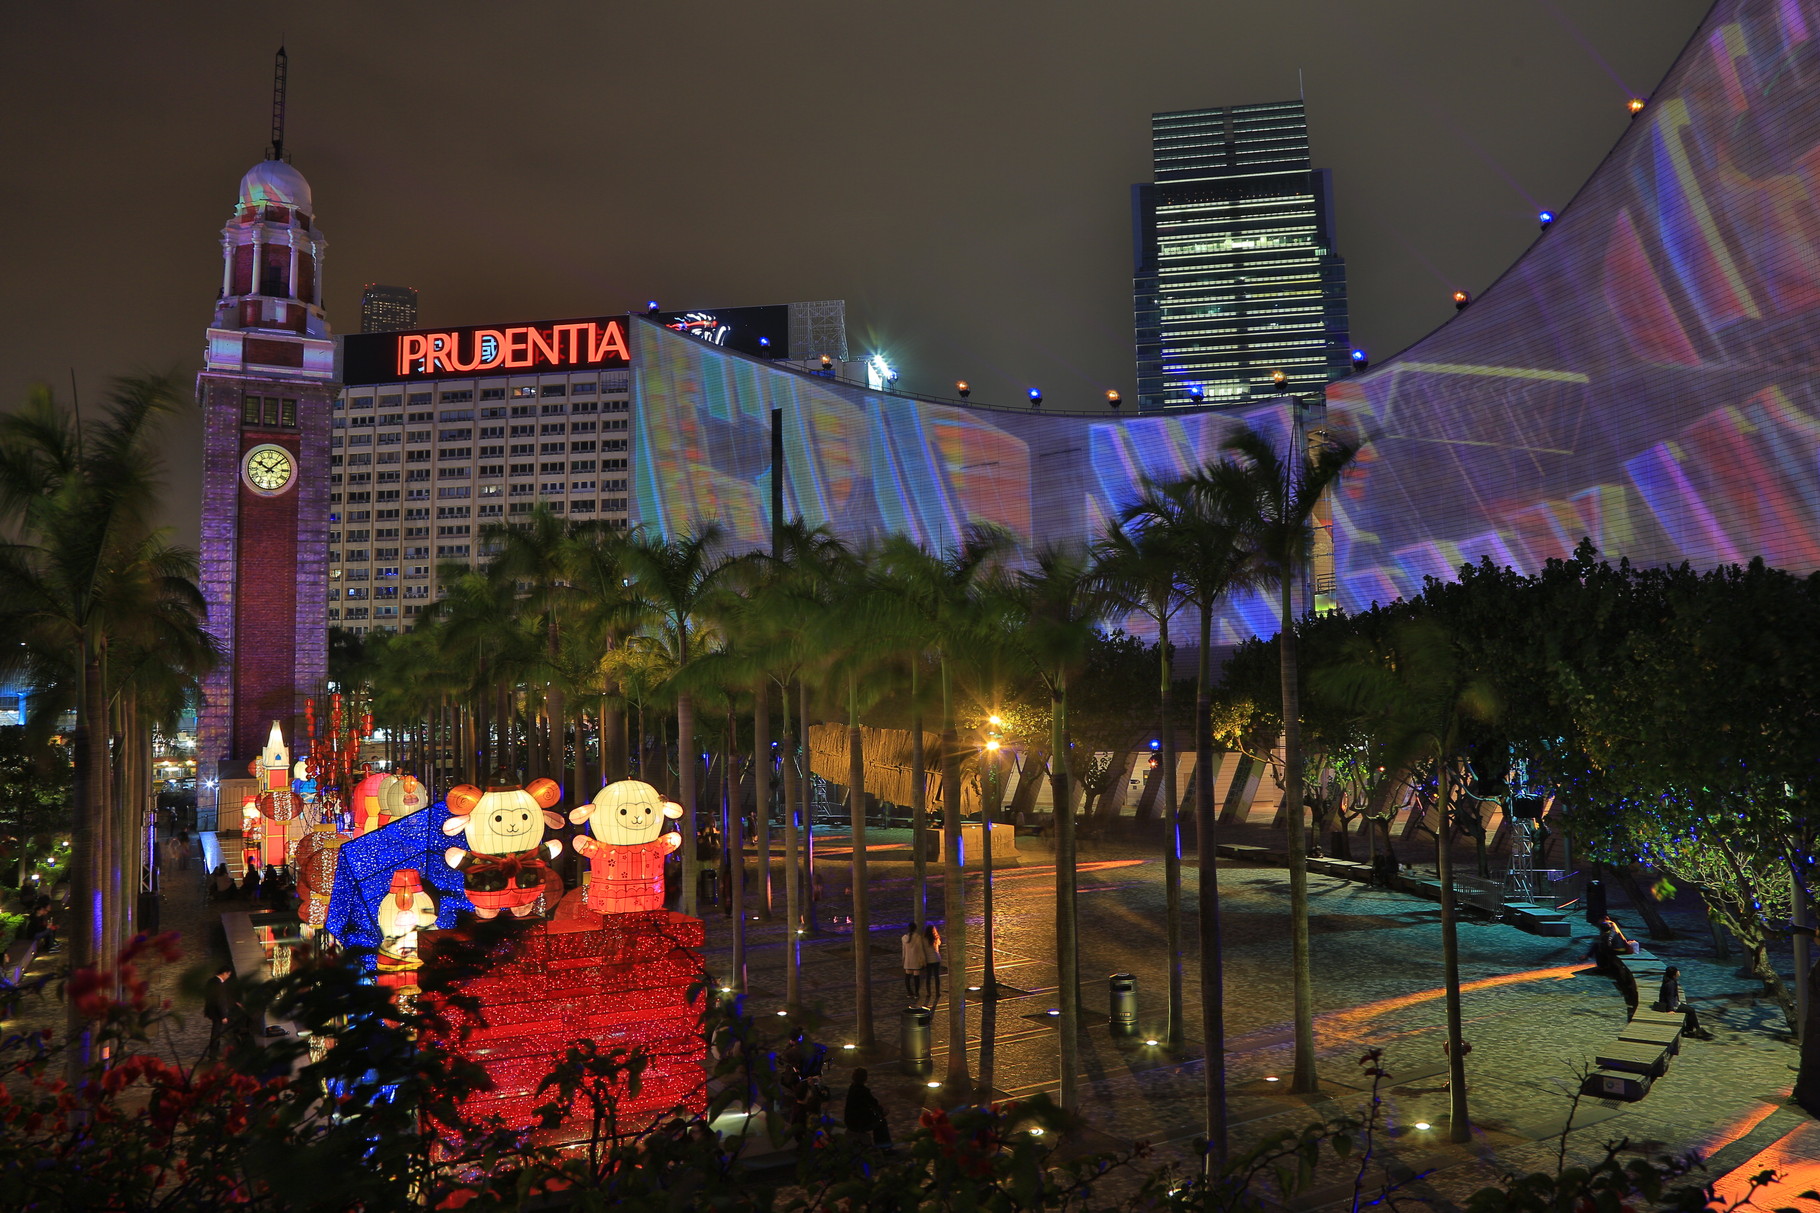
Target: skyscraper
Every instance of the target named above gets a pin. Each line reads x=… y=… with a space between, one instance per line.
x=1235 y=275
x=387 y=309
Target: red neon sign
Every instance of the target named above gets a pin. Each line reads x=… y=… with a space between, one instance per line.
x=558 y=346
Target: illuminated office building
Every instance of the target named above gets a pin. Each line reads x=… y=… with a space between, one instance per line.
x=438 y=433
x=387 y=309
x=1235 y=276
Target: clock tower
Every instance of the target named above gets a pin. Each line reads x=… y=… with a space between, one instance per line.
x=266 y=391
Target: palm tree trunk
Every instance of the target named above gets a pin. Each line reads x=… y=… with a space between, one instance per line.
x=919 y=804
x=1304 y=1080
x=1460 y=1125
x=954 y=894
x=793 y=885
x=88 y=838
x=736 y=858
x=1177 y=1036
x=554 y=704
x=1213 y=979
x=810 y=925
x=761 y=792
x=1068 y=959
x=862 y=922
x=685 y=792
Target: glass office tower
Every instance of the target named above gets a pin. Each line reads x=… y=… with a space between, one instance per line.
x=1236 y=277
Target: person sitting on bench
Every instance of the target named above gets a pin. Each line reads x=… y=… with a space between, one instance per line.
x=1611 y=944
x=1669 y=999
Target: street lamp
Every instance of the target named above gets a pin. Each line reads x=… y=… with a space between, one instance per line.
x=989 y=797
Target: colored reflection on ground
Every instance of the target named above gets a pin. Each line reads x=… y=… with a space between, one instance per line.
x=1353 y=1021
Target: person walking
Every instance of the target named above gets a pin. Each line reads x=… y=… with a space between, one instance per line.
x=863 y=1113
x=1668 y=998
x=932 y=962
x=912 y=944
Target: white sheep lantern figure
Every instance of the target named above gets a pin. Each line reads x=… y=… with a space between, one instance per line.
x=503 y=867
x=626 y=852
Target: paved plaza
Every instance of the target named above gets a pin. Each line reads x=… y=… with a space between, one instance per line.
x=1533 y=1017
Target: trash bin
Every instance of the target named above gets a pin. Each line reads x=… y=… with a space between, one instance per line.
x=913 y=1039
x=1122 y=988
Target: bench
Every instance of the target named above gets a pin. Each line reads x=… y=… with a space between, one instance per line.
x=1616 y=1084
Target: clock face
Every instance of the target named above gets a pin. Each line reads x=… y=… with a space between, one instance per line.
x=268 y=470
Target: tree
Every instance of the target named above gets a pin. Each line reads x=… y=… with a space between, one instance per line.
x=1271 y=498
x=1414 y=693
x=1054 y=608
x=1192 y=536
x=683 y=582
x=936 y=608
x=87 y=574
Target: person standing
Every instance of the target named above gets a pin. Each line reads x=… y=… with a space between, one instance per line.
x=220 y=1005
x=912 y=943
x=932 y=962
x=864 y=1114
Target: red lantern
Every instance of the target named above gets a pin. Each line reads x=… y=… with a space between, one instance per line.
x=280 y=804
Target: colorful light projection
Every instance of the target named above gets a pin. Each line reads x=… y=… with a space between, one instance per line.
x=1644 y=375
x=866 y=464
x=626 y=848
x=506 y=858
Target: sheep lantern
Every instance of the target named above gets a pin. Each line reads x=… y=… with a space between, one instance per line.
x=507 y=855
x=626 y=851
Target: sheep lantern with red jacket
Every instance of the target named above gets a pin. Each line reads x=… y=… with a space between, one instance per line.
x=507 y=853
x=627 y=851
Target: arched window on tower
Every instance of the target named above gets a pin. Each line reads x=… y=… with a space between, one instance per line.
x=275 y=271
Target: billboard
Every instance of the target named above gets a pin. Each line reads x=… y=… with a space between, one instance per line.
x=1645 y=375
x=529 y=348
x=762 y=332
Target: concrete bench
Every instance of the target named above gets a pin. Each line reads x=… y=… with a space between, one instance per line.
x=1616 y=1084
x=19 y=954
x=1537 y=920
x=1633 y=1057
x=1663 y=1036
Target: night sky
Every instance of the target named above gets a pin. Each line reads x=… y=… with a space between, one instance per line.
x=958 y=172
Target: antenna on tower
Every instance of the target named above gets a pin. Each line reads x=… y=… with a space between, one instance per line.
x=278 y=69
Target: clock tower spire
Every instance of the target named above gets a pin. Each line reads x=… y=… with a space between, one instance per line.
x=266 y=389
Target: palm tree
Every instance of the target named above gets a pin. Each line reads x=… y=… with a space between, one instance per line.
x=480 y=636
x=937 y=600
x=1415 y=695
x=85 y=572
x=1056 y=606
x=536 y=563
x=683 y=582
x=603 y=613
x=1138 y=566
x=1272 y=499
x=790 y=594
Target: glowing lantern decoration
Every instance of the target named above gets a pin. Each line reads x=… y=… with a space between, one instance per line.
x=273 y=767
x=404 y=910
x=380 y=799
x=316 y=857
x=627 y=850
x=507 y=853
x=280 y=804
